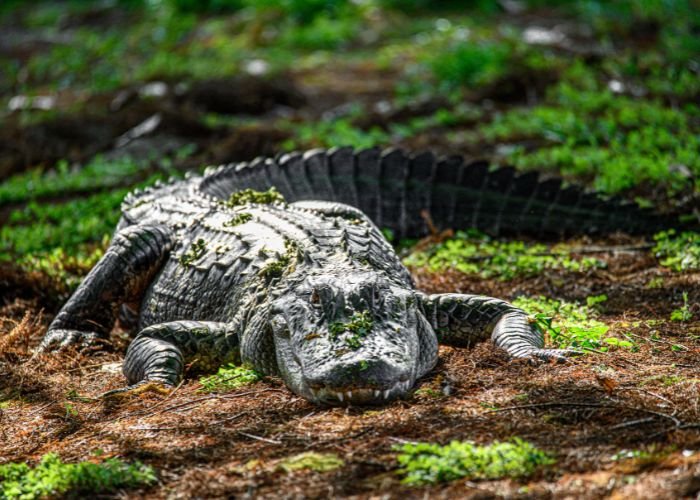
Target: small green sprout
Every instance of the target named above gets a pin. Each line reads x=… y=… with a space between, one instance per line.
x=682 y=313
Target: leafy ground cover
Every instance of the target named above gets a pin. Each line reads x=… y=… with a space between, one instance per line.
x=100 y=98
x=52 y=477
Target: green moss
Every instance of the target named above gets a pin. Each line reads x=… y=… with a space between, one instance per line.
x=51 y=478
x=229 y=377
x=311 y=460
x=359 y=325
x=197 y=249
x=238 y=219
x=428 y=463
x=246 y=196
x=284 y=262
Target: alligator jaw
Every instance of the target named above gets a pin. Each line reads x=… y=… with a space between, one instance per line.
x=360 y=396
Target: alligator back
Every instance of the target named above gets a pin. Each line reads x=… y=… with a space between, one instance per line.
x=401 y=191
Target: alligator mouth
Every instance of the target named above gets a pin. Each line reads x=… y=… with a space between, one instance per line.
x=360 y=395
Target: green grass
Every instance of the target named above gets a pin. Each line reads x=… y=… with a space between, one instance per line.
x=571 y=324
x=229 y=377
x=52 y=478
x=475 y=253
x=428 y=463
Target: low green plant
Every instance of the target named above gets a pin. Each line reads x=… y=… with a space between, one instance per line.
x=592 y=133
x=678 y=251
x=476 y=253
x=683 y=313
x=327 y=133
x=323 y=32
x=52 y=478
x=229 y=377
x=66 y=269
x=428 y=463
x=570 y=324
x=41 y=228
x=468 y=63
x=311 y=460
x=98 y=174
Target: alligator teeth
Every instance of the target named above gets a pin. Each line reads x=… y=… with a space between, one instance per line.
x=340 y=396
x=386 y=393
x=349 y=395
x=377 y=393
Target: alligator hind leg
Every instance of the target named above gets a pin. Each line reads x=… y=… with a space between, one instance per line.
x=462 y=320
x=122 y=275
x=159 y=353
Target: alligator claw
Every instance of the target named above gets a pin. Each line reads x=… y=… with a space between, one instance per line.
x=557 y=355
x=57 y=340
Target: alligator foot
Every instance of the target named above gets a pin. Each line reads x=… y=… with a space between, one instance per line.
x=59 y=339
x=137 y=389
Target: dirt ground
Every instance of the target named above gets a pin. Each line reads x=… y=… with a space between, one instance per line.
x=212 y=445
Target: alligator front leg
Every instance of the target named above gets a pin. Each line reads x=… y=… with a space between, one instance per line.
x=122 y=275
x=159 y=353
x=462 y=320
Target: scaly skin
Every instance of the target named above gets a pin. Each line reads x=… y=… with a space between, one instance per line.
x=310 y=291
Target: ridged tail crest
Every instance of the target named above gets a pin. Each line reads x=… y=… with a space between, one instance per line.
x=396 y=189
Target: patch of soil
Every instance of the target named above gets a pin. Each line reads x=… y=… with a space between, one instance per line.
x=243 y=94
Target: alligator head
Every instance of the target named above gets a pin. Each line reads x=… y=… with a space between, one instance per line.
x=354 y=337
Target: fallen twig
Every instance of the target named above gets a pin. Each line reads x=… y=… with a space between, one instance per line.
x=259 y=438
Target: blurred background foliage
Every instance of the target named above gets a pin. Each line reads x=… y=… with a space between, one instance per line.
x=98 y=97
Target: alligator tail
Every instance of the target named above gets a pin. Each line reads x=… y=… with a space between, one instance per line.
x=396 y=190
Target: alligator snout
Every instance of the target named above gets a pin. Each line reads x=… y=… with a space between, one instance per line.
x=359 y=381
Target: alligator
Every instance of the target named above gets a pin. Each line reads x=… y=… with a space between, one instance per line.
x=300 y=281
